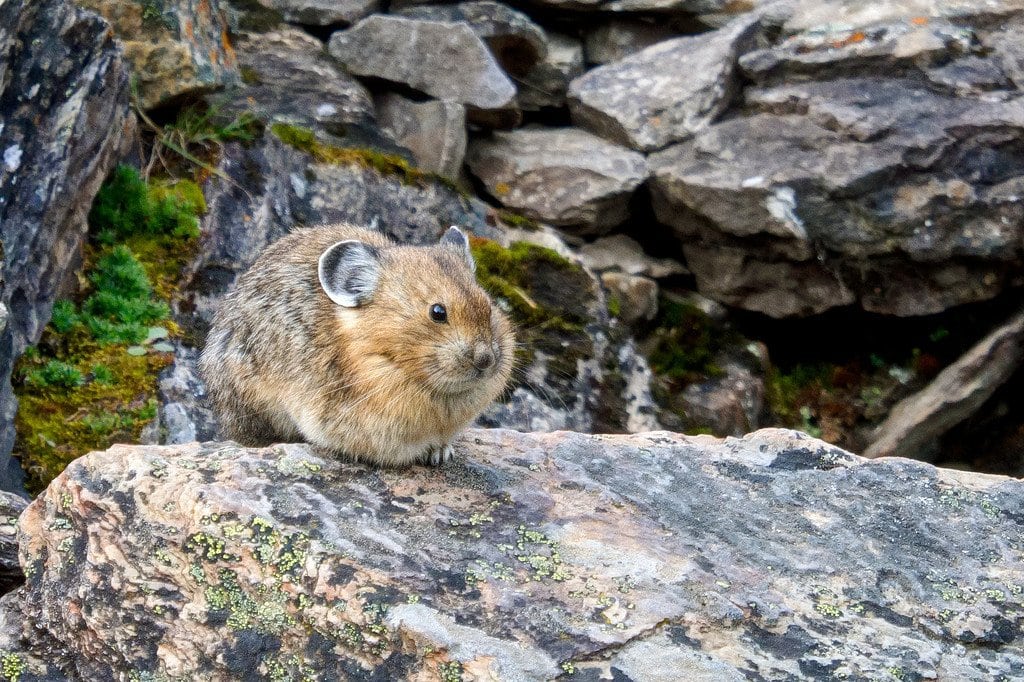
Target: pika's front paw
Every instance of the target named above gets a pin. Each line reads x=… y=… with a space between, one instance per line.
x=435 y=455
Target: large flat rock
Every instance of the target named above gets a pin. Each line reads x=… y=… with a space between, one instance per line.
x=530 y=556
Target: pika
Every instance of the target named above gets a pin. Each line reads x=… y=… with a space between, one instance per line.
x=345 y=339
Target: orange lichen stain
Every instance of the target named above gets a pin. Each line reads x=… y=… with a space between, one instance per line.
x=214 y=57
x=229 y=51
x=502 y=188
x=190 y=31
x=852 y=39
x=919 y=21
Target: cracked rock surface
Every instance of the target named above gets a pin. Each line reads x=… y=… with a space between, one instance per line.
x=528 y=557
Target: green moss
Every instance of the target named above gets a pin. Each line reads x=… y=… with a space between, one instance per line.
x=686 y=342
x=80 y=389
x=614 y=305
x=250 y=76
x=517 y=220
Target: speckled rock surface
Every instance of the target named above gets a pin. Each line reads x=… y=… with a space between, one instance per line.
x=562 y=176
x=11 y=506
x=529 y=557
x=176 y=48
x=434 y=131
x=546 y=83
x=324 y=12
x=63 y=121
x=446 y=60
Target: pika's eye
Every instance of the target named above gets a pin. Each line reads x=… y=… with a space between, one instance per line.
x=438 y=313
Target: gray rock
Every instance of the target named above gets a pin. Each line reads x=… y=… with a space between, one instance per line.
x=64 y=98
x=546 y=84
x=288 y=77
x=176 y=48
x=818 y=15
x=516 y=42
x=664 y=93
x=528 y=556
x=867 y=190
x=619 y=252
x=619 y=38
x=434 y=131
x=324 y=12
x=11 y=506
x=562 y=176
x=731 y=404
x=636 y=296
x=445 y=60
x=915 y=424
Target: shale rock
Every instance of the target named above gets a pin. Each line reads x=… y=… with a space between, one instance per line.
x=619 y=252
x=516 y=42
x=664 y=93
x=775 y=555
x=434 y=131
x=546 y=83
x=176 y=48
x=620 y=38
x=563 y=176
x=64 y=103
x=11 y=506
x=324 y=12
x=443 y=59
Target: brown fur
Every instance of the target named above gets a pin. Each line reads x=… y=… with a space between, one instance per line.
x=381 y=382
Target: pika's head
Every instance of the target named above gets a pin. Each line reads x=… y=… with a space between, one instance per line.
x=421 y=309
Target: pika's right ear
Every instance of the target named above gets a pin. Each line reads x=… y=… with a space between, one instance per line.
x=349 y=272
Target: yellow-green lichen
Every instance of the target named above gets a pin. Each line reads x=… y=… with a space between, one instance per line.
x=450 y=671
x=12 y=666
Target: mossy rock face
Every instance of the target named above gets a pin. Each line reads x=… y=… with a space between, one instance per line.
x=92 y=379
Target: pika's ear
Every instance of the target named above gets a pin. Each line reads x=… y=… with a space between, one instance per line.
x=457 y=238
x=349 y=272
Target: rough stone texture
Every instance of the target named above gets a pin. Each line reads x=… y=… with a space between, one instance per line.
x=730 y=404
x=288 y=77
x=324 y=12
x=915 y=424
x=817 y=14
x=546 y=83
x=63 y=121
x=874 y=184
x=176 y=48
x=774 y=556
x=619 y=252
x=664 y=93
x=434 y=131
x=619 y=38
x=11 y=506
x=445 y=60
x=637 y=296
x=514 y=40
x=562 y=176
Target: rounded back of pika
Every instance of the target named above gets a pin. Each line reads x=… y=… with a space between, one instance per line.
x=339 y=336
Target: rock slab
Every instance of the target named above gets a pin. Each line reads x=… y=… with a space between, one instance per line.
x=775 y=556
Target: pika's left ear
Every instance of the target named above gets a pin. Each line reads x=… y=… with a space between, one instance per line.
x=457 y=238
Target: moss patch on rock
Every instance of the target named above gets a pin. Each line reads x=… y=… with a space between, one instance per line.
x=548 y=298
x=91 y=381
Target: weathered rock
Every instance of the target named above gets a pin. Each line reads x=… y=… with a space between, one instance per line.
x=664 y=93
x=64 y=103
x=863 y=190
x=546 y=83
x=562 y=176
x=619 y=252
x=914 y=425
x=619 y=38
x=11 y=506
x=516 y=42
x=176 y=48
x=324 y=12
x=434 y=131
x=807 y=15
x=527 y=557
x=730 y=404
x=289 y=77
x=445 y=60
x=635 y=297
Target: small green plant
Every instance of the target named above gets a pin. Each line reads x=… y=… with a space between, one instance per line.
x=55 y=373
x=64 y=316
x=102 y=374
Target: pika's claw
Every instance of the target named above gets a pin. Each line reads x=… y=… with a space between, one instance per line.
x=438 y=455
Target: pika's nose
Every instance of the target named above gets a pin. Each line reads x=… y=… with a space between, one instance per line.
x=483 y=357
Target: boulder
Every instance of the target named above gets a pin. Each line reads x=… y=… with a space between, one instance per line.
x=324 y=12
x=915 y=425
x=176 y=48
x=665 y=93
x=634 y=299
x=64 y=97
x=445 y=60
x=514 y=40
x=622 y=253
x=434 y=131
x=11 y=506
x=545 y=85
x=619 y=38
x=289 y=77
x=528 y=557
x=564 y=176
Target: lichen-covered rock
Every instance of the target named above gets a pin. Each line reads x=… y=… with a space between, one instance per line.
x=664 y=93
x=64 y=103
x=324 y=12
x=446 y=60
x=516 y=42
x=526 y=558
x=11 y=506
x=545 y=85
x=434 y=131
x=176 y=48
x=562 y=176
